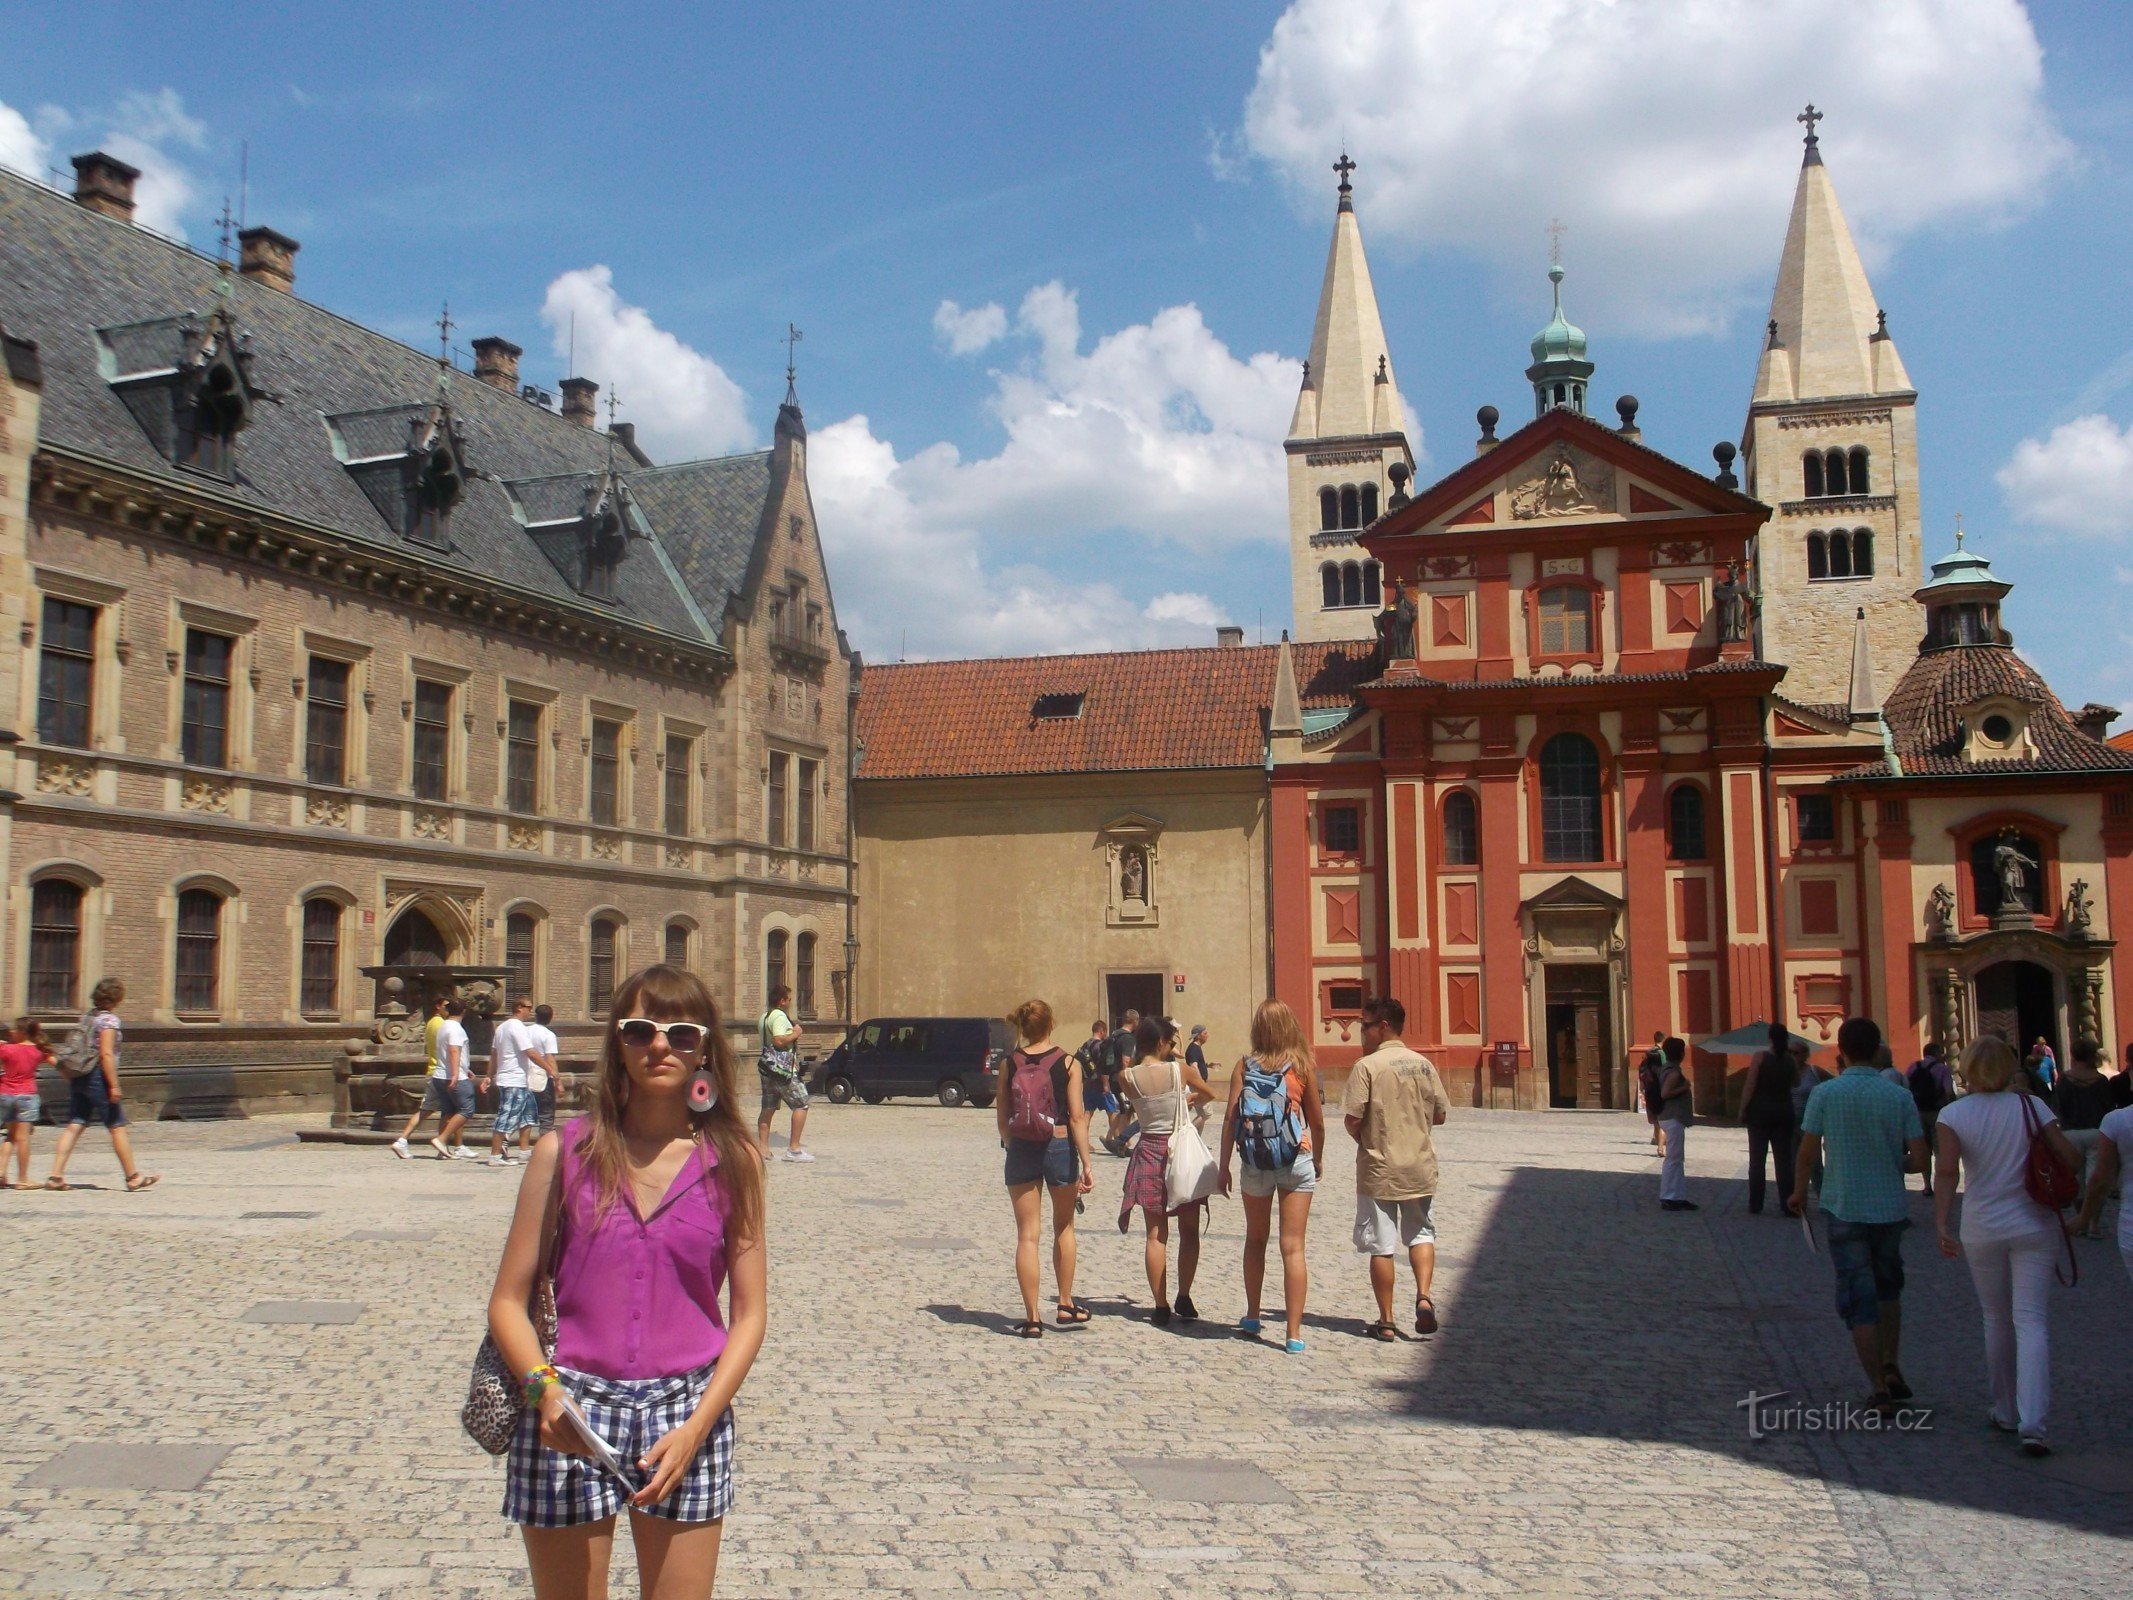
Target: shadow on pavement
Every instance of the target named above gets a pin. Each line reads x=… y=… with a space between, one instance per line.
x=1585 y=1311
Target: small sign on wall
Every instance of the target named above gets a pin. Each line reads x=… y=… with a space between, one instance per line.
x=1177 y=982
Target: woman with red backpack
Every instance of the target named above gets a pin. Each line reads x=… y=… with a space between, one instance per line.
x=1044 y=1127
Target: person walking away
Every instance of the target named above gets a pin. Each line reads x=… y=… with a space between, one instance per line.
x=2010 y=1241
x=1120 y=1052
x=1393 y=1102
x=1807 y=1076
x=1677 y=1110
x=20 y=1104
x=2039 y=1071
x=1044 y=1127
x=434 y=1097
x=2114 y=1161
x=1865 y=1131
x=512 y=1065
x=1277 y=1120
x=2083 y=1102
x=1161 y=1088
x=1649 y=1071
x=780 y=1073
x=2122 y=1083
x=455 y=1092
x=1766 y=1112
x=1095 y=1096
x=547 y=1075
x=95 y=1095
x=1932 y=1086
x=648 y=1207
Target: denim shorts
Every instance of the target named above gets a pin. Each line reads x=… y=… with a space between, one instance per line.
x=779 y=1091
x=449 y=1099
x=1298 y=1177
x=1868 y=1258
x=89 y=1101
x=1055 y=1161
x=515 y=1109
x=16 y=1108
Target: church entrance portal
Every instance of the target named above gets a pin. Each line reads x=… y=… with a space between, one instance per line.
x=2016 y=1002
x=1578 y=1031
x=1133 y=991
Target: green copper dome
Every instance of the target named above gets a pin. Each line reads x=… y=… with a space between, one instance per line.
x=1560 y=340
x=1559 y=369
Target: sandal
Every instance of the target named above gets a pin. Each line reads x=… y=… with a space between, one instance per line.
x=1425 y=1315
x=57 y=1183
x=1383 y=1332
x=1071 y=1316
x=1029 y=1330
x=142 y=1180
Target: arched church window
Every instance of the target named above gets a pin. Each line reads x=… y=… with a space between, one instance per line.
x=1862 y=552
x=1858 y=470
x=1351 y=584
x=1817 y=553
x=1462 y=830
x=1351 y=507
x=1840 y=555
x=1373 y=593
x=1834 y=476
x=1811 y=466
x=1329 y=508
x=1684 y=824
x=1329 y=580
x=1570 y=799
x=1370 y=504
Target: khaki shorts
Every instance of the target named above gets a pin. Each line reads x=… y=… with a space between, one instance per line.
x=1386 y=1227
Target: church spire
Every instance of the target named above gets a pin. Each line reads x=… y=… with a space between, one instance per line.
x=1348 y=352
x=1827 y=335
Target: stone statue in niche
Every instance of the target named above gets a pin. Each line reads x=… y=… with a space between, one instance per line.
x=1940 y=913
x=2012 y=868
x=1558 y=491
x=1729 y=597
x=1403 y=622
x=2078 y=909
x=1133 y=875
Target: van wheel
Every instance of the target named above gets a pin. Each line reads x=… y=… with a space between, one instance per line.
x=952 y=1092
x=982 y=1101
x=873 y=1099
x=838 y=1090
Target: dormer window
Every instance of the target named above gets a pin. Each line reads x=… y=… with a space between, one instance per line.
x=207 y=427
x=187 y=383
x=1997 y=729
x=582 y=524
x=411 y=462
x=1063 y=706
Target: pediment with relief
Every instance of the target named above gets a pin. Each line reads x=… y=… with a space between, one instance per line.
x=1565 y=483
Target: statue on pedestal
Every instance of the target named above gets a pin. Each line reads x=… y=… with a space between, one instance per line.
x=2012 y=868
x=1940 y=913
x=1730 y=599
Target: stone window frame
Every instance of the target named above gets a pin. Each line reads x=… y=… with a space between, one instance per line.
x=111 y=650
x=89 y=947
x=459 y=724
x=240 y=749
x=355 y=728
x=669 y=729
x=547 y=745
x=596 y=1006
x=229 y=923
x=624 y=720
x=345 y=961
x=537 y=949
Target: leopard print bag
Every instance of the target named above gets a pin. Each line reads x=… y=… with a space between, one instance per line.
x=496 y=1399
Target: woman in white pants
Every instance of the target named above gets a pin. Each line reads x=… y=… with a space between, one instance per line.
x=2010 y=1241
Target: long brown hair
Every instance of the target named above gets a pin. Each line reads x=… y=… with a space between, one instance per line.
x=679 y=994
x=1277 y=1037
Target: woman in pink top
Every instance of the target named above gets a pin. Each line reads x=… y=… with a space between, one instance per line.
x=647 y=1207
x=20 y=1107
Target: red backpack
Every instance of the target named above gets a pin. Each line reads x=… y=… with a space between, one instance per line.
x=1032 y=1109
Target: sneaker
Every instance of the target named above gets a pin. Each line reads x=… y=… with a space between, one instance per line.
x=444 y=1151
x=1248 y=1325
x=1186 y=1310
x=1295 y=1347
x=1893 y=1377
x=2035 y=1448
x=401 y=1150
x=799 y=1155
x=461 y=1153
x=497 y=1161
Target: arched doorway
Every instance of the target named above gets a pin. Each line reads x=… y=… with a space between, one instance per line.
x=2017 y=1001
x=413 y=940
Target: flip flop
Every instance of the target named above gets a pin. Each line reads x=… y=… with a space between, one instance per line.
x=58 y=1184
x=143 y=1180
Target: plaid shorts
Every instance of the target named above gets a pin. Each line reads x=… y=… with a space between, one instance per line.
x=545 y=1488
x=516 y=1109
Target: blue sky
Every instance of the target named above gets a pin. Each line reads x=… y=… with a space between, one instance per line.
x=1141 y=193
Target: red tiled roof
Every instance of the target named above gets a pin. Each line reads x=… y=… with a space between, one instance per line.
x=1925 y=717
x=1143 y=710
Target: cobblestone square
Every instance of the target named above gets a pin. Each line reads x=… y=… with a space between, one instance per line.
x=1575 y=1429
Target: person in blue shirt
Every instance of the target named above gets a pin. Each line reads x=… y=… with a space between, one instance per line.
x=1867 y=1133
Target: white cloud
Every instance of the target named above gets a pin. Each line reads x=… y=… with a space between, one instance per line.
x=2079 y=480
x=683 y=403
x=967 y=332
x=1660 y=131
x=20 y=148
x=1158 y=431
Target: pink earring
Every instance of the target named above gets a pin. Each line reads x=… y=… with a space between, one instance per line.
x=703 y=1090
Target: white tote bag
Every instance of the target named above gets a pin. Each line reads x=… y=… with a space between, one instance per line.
x=1189 y=1173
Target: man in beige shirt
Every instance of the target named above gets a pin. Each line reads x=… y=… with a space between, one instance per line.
x=1393 y=1101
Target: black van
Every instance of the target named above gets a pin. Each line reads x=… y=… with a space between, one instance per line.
x=955 y=1059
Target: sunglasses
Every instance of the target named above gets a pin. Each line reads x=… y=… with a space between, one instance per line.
x=685 y=1037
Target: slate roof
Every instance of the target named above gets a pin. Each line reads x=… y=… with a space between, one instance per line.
x=1925 y=716
x=66 y=273
x=1142 y=710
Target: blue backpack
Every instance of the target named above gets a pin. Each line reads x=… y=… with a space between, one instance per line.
x=1269 y=1129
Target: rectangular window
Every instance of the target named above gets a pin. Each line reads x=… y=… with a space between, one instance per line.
x=600 y=969
x=322 y=958
x=204 y=739
x=518 y=955
x=681 y=755
x=803 y=982
x=523 y=757
x=66 y=671
x=774 y=804
x=1343 y=830
x=677 y=944
x=326 y=721
x=606 y=771
x=773 y=963
x=1565 y=621
x=1817 y=814
x=804 y=805
x=433 y=740
x=55 y=945
x=199 y=953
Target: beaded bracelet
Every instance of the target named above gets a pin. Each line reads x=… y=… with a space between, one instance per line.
x=537 y=1380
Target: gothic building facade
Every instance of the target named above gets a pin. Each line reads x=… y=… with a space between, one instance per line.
x=333 y=657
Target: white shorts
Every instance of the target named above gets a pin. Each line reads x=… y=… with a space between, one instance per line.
x=1385 y=1227
x=1298 y=1177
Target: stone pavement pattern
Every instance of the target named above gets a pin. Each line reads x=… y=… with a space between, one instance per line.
x=300 y=1319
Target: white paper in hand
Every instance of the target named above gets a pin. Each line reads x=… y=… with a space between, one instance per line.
x=1810 y=1206
x=603 y=1452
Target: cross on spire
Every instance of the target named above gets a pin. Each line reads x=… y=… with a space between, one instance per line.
x=1344 y=166
x=1958 y=530
x=1810 y=117
x=224 y=223
x=793 y=336
x=445 y=325
x=1556 y=230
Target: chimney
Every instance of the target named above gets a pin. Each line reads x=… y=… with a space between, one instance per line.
x=578 y=400
x=267 y=258
x=496 y=363
x=1229 y=637
x=2095 y=720
x=104 y=184
x=626 y=436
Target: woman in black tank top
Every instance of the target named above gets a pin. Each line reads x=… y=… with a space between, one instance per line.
x=1766 y=1111
x=1055 y=1161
